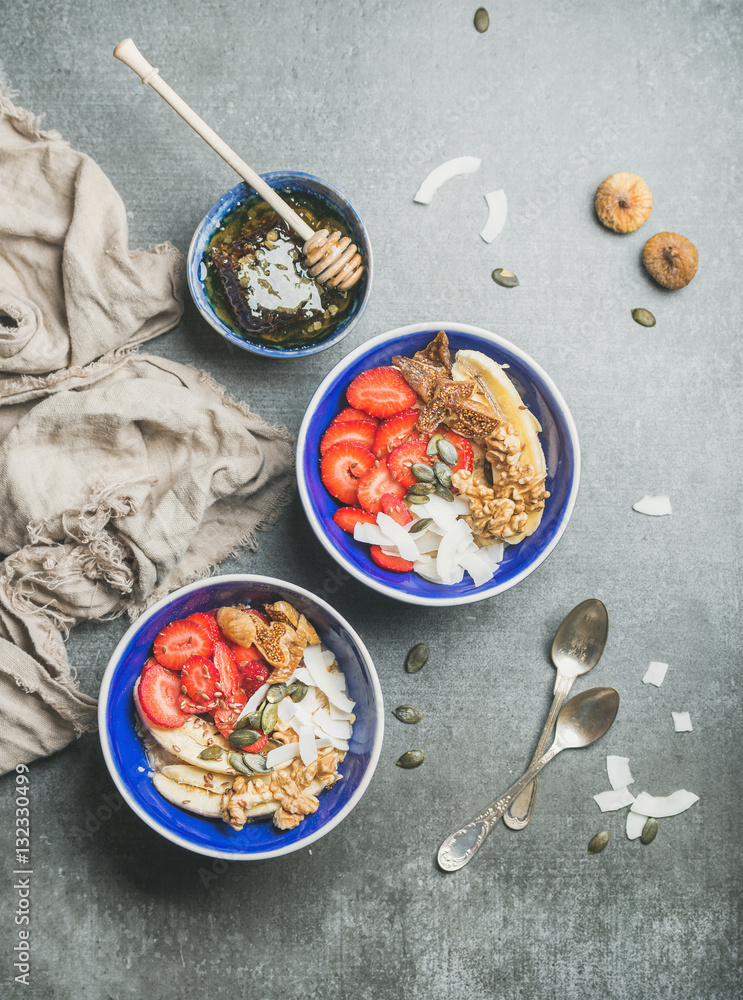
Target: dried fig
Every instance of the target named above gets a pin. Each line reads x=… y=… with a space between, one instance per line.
x=623 y=202
x=671 y=259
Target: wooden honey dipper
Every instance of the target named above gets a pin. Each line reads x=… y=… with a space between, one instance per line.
x=331 y=259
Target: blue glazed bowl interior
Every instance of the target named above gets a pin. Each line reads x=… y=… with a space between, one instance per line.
x=126 y=754
x=558 y=437
x=300 y=183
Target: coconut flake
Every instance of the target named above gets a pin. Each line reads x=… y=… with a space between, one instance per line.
x=497 y=211
x=372 y=534
x=287 y=709
x=477 y=567
x=492 y=554
x=654 y=506
x=655 y=673
x=664 y=805
x=325 y=680
x=307 y=747
x=426 y=567
x=619 y=773
x=459 y=534
x=331 y=727
x=635 y=824
x=280 y=755
x=398 y=536
x=682 y=722
x=615 y=798
x=253 y=702
x=445 y=172
x=336 y=713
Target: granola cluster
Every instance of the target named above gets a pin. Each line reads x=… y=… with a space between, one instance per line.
x=292 y=790
x=500 y=511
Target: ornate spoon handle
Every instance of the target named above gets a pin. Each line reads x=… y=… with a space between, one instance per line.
x=461 y=847
x=519 y=811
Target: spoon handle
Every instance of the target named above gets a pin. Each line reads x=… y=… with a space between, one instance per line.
x=130 y=55
x=519 y=811
x=461 y=847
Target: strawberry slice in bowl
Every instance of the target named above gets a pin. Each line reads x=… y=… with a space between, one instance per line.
x=361 y=432
x=382 y=392
x=341 y=469
x=390 y=433
x=376 y=482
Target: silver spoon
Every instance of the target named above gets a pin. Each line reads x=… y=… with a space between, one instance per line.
x=584 y=719
x=576 y=649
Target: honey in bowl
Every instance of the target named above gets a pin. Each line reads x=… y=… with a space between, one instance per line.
x=255 y=279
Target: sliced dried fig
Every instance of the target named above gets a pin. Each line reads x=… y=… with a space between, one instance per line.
x=623 y=202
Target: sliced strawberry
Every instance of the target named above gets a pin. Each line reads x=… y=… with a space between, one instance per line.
x=351 y=414
x=208 y=622
x=244 y=654
x=200 y=678
x=341 y=468
x=376 y=482
x=229 y=676
x=348 y=517
x=190 y=707
x=159 y=691
x=356 y=431
x=257 y=746
x=466 y=454
x=381 y=392
x=395 y=508
x=393 y=432
x=394 y=563
x=254 y=670
x=403 y=457
x=179 y=641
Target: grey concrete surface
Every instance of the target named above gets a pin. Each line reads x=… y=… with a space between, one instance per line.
x=370 y=95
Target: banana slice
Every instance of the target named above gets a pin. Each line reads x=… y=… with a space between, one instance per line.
x=185 y=774
x=188 y=740
x=499 y=392
x=195 y=800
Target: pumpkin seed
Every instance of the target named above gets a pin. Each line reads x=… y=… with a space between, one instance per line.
x=237 y=762
x=444 y=493
x=421 y=525
x=272 y=744
x=259 y=765
x=487 y=471
x=412 y=758
x=270 y=717
x=482 y=20
x=443 y=473
x=643 y=316
x=422 y=489
x=297 y=690
x=649 y=831
x=243 y=737
x=598 y=842
x=417 y=658
x=448 y=452
x=422 y=472
x=254 y=719
x=505 y=278
x=408 y=713
x=416 y=498
x=211 y=753
x=432 y=448
x=275 y=693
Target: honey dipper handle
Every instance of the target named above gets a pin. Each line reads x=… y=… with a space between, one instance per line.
x=130 y=55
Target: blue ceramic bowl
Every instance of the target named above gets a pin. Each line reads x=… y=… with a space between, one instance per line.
x=559 y=441
x=301 y=183
x=124 y=751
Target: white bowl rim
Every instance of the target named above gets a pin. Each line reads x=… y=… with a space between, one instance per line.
x=347 y=361
x=160 y=828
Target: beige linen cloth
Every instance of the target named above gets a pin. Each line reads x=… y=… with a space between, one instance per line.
x=122 y=476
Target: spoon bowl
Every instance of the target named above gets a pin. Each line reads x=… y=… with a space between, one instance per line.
x=580 y=639
x=586 y=718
